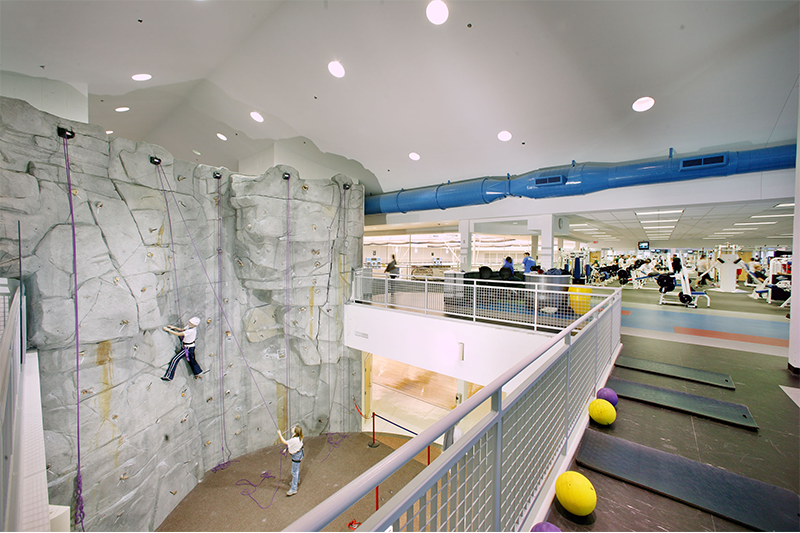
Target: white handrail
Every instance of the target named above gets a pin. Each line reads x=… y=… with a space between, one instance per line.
x=327 y=511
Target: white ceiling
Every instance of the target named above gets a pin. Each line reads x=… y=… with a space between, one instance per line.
x=559 y=75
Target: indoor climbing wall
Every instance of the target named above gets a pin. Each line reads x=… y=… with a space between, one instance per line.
x=153 y=237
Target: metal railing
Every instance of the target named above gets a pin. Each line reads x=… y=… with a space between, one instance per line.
x=547 y=306
x=11 y=350
x=500 y=474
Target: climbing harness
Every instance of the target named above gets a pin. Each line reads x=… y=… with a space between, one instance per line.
x=79 y=512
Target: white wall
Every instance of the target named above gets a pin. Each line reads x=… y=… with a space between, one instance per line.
x=54 y=97
x=432 y=342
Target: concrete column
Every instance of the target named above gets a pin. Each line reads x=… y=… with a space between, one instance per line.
x=543 y=224
x=794 y=324
x=465 y=230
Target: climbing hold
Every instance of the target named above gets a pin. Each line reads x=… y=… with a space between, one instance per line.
x=317 y=264
x=124 y=476
x=149 y=254
x=227 y=392
x=207 y=443
x=208 y=321
x=116 y=281
x=227 y=333
x=209 y=399
x=98 y=205
x=173 y=492
x=305 y=187
x=144 y=289
x=183 y=420
x=181 y=178
x=313 y=226
x=114 y=417
x=74 y=192
x=135 y=347
x=237 y=417
x=124 y=322
x=237 y=432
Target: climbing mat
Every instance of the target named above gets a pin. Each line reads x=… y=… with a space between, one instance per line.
x=734 y=497
x=675 y=371
x=730 y=413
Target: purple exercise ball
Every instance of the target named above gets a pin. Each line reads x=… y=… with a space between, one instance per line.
x=545 y=526
x=608 y=395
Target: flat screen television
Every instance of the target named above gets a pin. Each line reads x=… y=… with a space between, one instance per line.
x=644 y=245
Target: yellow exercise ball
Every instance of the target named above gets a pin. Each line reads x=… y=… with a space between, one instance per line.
x=576 y=493
x=602 y=412
x=580 y=304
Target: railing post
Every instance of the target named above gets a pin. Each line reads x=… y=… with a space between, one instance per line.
x=426 y=295
x=386 y=290
x=498 y=463
x=568 y=342
x=474 y=301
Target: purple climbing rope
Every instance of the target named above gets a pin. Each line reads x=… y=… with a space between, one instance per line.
x=287 y=317
x=264 y=476
x=79 y=512
x=159 y=171
x=219 y=301
x=226 y=460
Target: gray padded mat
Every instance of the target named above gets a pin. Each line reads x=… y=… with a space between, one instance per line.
x=682 y=372
x=730 y=413
x=738 y=498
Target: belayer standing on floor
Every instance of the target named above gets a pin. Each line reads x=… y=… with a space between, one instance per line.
x=295 y=448
x=188 y=336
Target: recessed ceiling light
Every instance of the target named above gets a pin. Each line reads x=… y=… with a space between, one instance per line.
x=728 y=233
x=336 y=68
x=122 y=109
x=437 y=12
x=659 y=212
x=255 y=115
x=739 y=229
x=195 y=152
x=786 y=205
x=109 y=132
x=714 y=238
x=222 y=137
x=141 y=77
x=504 y=136
x=773 y=216
x=657 y=221
x=775 y=237
x=414 y=156
x=787 y=234
x=576 y=225
x=643 y=104
x=658 y=227
x=751 y=223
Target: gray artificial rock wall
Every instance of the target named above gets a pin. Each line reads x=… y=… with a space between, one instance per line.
x=146 y=443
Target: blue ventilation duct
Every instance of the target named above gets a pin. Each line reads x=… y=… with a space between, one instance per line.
x=585 y=178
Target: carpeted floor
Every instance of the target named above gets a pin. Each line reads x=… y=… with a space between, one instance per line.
x=218 y=503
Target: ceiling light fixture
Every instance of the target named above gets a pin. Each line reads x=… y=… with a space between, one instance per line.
x=195 y=152
x=222 y=137
x=658 y=227
x=645 y=213
x=255 y=115
x=751 y=223
x=437 y=12
x=773 y=216
x=577 y=225
x=504 y=136
x=714 y=238
x=791 y=204
x=336 y=69
x=657 y=221
x=141 y=77
x=414 y=156
x=643 y=104
x=109 y=132
x=739 y=229
x=122 y=109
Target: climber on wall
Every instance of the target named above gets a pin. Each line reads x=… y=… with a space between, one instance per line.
x=188 y=336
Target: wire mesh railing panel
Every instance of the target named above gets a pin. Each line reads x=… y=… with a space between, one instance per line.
x=606 y=341
x=582 y=371
x=533 y=433
x=459 y=500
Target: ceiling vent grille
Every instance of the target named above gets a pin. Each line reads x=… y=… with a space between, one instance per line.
x=549 y=180
x=704 y=162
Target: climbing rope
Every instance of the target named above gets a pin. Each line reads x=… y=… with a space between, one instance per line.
x=287 y=318
x=264 y=476
x=79 y=512
x=216 y=296
x=334 y=439
x=157 y=162
x=226 y=457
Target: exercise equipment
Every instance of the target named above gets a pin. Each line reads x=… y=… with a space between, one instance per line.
x=580 y=304
x=608 y=395
x=545 y=527
x=675 y=371
x=686 y=297
x=730 y=413
x=602 y=412
x=576 y=493
x=753 y=503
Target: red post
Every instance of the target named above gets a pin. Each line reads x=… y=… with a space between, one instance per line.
x=374 y=444
x=429 y=455
x=376 y=498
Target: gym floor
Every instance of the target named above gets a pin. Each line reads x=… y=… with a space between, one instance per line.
x=739 y=336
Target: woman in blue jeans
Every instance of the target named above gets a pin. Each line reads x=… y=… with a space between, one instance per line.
x=295 y=447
